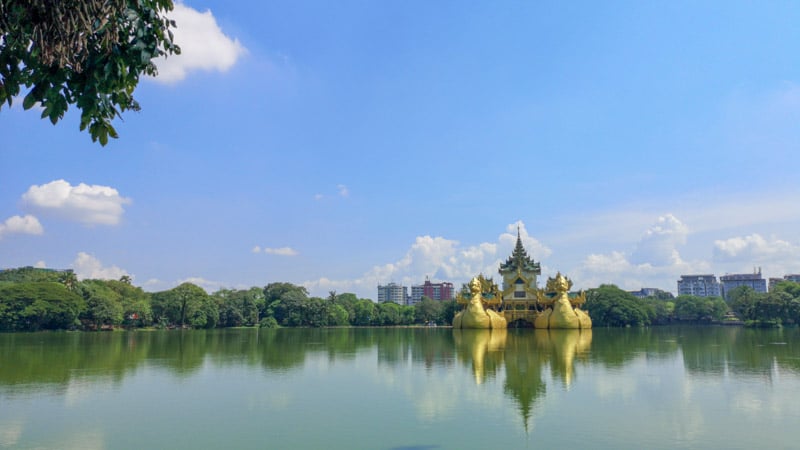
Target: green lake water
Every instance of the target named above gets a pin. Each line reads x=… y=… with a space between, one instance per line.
x=418 y=388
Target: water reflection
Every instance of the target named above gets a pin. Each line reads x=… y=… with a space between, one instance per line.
x=51 y=361
x=483 y=350
x=674 y=386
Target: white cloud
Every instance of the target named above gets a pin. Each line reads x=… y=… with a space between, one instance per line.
x=654 y=262
x=776 y=256
x=439 y=259
x=40 y=265
x=658 y=245
x=754 y=248
x=203 y=46
x=282 y=251
x=341 y=191
x=21 y=225
x=87 y=266
x=88 y=204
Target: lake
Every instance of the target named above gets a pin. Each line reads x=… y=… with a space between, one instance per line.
x=402 y=388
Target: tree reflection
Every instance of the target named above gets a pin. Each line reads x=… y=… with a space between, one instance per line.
x=525 y=358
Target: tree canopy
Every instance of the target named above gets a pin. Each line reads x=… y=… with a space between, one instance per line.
x=609 y=305
x=87 y=53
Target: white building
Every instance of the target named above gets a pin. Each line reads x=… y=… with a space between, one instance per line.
x=699 y=285
x=752 y=280
x=393 y=292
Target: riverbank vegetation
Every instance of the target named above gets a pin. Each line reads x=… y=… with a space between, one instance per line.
x=32 y=300
x=611 y=306
x=36 y=299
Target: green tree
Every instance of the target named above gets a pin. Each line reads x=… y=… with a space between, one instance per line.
x=428 y=310
x=407 y=315
x=364 y=313
x=273 y=299
x=700 y=309
x=348 y=302
x=338 y=316
x=609 y=305
x=87 y=53
x=288 y=308
x=790 y=287
x=314 y=312
x=664 y=311
x=136 y=308
x=31 y=306
x=743 y=300
x=103 y=304
x=773 y=307
x=388 y=313
x=239 y=307
x=449 y=311
x=187 y=304
x=69 y=280
x=31 y=274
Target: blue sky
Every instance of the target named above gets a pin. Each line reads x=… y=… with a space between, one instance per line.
x=340 y=145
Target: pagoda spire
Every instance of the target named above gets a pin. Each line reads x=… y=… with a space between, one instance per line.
x=520 y=255
x=519 y=259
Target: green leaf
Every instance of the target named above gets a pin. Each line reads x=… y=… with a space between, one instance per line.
x=111 y=131
x=29 y=101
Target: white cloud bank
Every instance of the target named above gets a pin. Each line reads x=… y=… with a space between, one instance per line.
x=755 y=248
x=87 y=204
x=87 y=267
x=27 y=224
x=203 y=46
x=777 y=257
x=438 y=258
x=654 y=262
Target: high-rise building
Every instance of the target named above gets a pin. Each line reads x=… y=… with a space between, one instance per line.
x=792 y=277
x=751 y=280
x=699 y=285
x=393 y=292
x=434 y=291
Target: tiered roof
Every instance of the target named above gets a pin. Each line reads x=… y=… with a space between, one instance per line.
x=520 y=261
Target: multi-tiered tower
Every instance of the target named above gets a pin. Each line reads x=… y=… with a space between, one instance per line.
x=520 y=287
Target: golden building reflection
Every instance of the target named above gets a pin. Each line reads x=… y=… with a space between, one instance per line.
x=524 y=355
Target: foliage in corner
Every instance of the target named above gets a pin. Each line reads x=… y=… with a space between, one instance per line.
x=87 y=53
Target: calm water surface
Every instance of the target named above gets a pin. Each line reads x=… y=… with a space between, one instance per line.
x=402 y=389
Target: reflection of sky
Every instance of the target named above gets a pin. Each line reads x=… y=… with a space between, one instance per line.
x=375 y=400
x=656 y=404
x=10 y=432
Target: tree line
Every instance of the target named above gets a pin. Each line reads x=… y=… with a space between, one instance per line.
x=32 y=300
x=35 y=299
x=609 y=305
x=779 y=306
